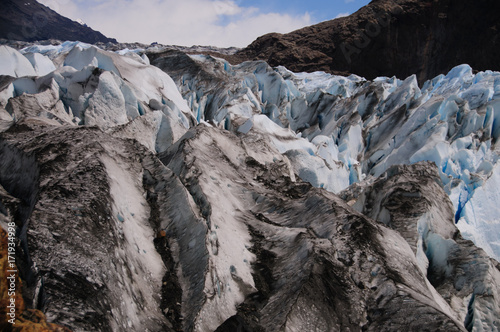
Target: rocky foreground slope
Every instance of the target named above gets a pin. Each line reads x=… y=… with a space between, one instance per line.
x=223 y=198
x=391 y=38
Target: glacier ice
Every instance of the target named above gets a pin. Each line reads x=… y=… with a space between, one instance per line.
x=336 y=130
x=14 y=64
x=107 y=104
x=459 y=272
x=453 y=120
x=480 y=214
x=54 y=51
x=42 y=64
x=94 y=87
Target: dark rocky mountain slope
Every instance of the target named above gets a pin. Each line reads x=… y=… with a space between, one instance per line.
x=391 y=37
x=30 y=21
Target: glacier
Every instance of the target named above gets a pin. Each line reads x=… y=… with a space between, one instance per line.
x=340 y=129
x=347 y=128
x=395 y=169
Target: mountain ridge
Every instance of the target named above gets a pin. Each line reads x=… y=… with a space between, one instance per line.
x=384 y=38
x=390 y=38
x=32 y=21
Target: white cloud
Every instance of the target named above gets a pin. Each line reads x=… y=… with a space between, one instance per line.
x=226 y=8
x=63 y=7
x=189 y=22
x=342 y=15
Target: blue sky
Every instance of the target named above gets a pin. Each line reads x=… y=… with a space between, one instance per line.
x=320 y=10
x=220 y=23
